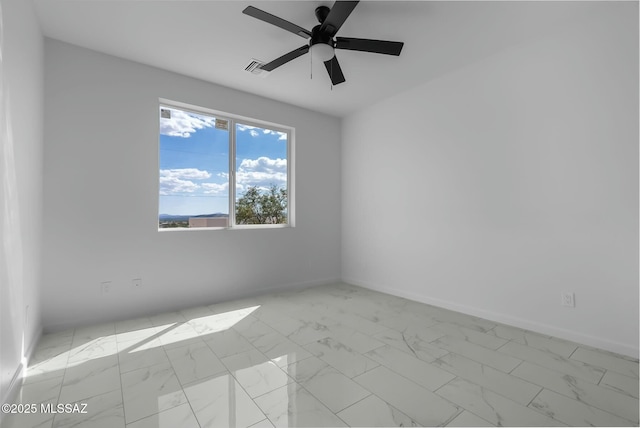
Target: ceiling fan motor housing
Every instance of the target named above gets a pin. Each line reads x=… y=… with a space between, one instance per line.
x=318 y=36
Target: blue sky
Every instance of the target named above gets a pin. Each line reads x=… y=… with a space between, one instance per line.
x=194 y=162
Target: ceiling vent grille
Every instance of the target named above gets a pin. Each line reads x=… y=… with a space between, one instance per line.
x=255 y=67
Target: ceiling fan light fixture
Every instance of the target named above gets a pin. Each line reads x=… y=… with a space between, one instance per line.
x=322 y=52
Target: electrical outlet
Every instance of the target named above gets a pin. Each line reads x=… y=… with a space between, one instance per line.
x=105 y=287
x=136 y=282
x=568 y=299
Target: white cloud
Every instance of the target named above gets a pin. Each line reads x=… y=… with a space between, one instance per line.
x=183 y=124
x=262 y=172
x=282 y=135
x=176 y=181
x=264 y=163
x=254 y=133
x=244 y=127
x=185 y=173
x=215 y=188
x=173 y=185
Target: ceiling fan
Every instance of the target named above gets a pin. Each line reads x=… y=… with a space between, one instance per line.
x=322 y=40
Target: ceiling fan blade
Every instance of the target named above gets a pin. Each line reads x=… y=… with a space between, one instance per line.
x=278 y=22
x=334 y=70
x=368 y=45
x=338 y=14
x=285 y=58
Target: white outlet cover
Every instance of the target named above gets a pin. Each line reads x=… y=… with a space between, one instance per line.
x=105 y=287
x=568 y=299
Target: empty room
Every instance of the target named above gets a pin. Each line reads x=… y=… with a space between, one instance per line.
x=318 y=213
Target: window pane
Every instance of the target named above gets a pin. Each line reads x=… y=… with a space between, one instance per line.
x=194 y=170
x=261 y=175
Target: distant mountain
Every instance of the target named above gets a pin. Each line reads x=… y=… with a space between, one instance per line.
x=177 y=217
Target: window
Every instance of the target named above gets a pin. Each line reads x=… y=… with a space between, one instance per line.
x=218 y=170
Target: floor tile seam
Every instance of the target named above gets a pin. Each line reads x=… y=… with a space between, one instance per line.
x=463 y=328
x=124 y=414
x=163 y=363
x=460 y=410
x=515 y=403
x=467 y=379
x=508 y=341
x=370 y=336
x=577 y=401
x=291 y=380
x=477 y=416
x=474 y=344
x=573 y=352
x=485 y=364
x=377 y=364
x=89 y=415
x=606 y=353
x=573 y=398
x=66 y=349
x=469 y=342
x=516 y=367
x=456 y=405
x=413 y=354
x=367 y=320
x=181 y=387
x=376 y=348
x=353 y=404
x=232 y=373
x=342 y=410
x=611 y=387
x=366 y=371
x=568 y=359
x=219 y=357
x=64 y=375
x=618 y=390
x=563 y=358
x=148 y=367
x=584 y=380
x=445 y=384
x=301 y=385
x=601 y=367
x=358 y=354
x=34 y=383
x=404 y=376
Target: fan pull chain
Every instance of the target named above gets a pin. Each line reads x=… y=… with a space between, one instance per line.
x=332 y=74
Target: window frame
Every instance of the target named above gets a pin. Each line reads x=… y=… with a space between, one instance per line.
x=233 y=120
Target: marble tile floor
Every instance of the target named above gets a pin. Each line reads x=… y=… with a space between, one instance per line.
x=333 y=355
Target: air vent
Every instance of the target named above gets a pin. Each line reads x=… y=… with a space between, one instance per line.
x=254 y=67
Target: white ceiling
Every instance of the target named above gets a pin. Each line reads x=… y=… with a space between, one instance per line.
x=214 y=41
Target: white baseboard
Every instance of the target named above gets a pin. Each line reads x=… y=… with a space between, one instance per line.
x=18 y=376
x=275 y=288
x=14 y=385
x=596 y=342
x=298 y=285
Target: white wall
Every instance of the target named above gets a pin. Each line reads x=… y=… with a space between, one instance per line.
x=498 y=186
x=21 y=86
x=101 y=202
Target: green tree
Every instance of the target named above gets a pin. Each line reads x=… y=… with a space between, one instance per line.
x=262 y=207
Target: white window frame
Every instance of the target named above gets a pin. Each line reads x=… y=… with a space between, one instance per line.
x=234 y=119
